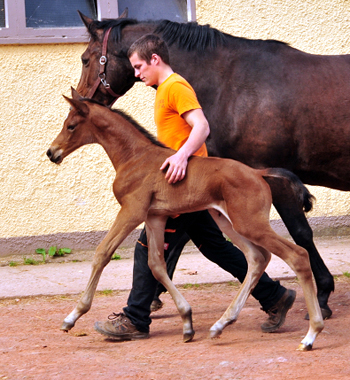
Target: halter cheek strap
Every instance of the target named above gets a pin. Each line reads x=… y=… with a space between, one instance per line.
x=102 y=75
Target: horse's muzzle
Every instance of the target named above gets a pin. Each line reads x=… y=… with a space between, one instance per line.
x=55 y=155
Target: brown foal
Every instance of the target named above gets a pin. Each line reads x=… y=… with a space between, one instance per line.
x=238 y=197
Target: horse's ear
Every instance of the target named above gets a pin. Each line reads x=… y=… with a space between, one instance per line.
x=86 y=20
x=91 y=27
x=125 y=13
x=75 y=94
x=78 y=105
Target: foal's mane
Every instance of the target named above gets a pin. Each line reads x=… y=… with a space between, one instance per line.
x=188 y=35
x=132 y=121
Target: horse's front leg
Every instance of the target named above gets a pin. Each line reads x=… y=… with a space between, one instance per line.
x=155 y=238
x=123 y=225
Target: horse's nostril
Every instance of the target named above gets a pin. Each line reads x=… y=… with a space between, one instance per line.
x=53 y=156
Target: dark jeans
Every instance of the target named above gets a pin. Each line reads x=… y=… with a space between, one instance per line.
x=205 y=234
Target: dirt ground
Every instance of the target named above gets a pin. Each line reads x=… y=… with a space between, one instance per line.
x=33 y=347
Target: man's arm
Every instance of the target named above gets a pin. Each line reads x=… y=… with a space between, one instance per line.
x=178 y=162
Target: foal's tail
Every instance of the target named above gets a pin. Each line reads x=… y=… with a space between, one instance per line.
x=282 y=182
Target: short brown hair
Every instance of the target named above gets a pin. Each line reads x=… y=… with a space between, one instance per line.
x=147 y=45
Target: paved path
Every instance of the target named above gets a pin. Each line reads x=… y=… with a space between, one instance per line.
x=193 y=268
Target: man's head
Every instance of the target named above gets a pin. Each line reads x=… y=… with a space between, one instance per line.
x=149 y=56
x=148 y=45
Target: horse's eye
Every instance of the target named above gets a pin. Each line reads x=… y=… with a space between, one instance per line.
x=85 y=61
x=71 y=127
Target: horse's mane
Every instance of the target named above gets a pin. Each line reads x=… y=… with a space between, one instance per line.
x=117 y=26
x=132 y=121
x=188 y=35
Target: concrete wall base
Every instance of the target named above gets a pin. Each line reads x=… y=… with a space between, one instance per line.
x=322 y=226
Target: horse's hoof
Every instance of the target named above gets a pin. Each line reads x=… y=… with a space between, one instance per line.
x=156 y=305
x=304 y=347
x=66 y=326
x=326 y=313
x=214 y=333
x=188 y=336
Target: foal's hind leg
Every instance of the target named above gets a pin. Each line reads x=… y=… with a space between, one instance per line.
x=257 y=259
x=297 y=258
x=155 y=239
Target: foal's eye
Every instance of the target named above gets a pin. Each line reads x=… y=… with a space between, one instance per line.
x=71 y=127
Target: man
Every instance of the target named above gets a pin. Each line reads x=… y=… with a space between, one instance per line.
x=182 y=126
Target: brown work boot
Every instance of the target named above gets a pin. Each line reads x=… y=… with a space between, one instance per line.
x=277 y=313
x=119 y=327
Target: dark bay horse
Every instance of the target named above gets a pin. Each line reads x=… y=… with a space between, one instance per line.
x=238 y=197
x=268 y=105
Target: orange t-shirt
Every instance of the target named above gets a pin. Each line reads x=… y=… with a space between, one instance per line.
x=174 y=97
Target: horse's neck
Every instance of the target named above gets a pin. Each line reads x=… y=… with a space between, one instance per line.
x=121 y=141
x=135 y=32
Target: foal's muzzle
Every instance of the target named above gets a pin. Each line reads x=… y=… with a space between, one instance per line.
x=55 y=155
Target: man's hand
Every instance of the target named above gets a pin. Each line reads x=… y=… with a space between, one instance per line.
x=178 y=162
x=177 y=167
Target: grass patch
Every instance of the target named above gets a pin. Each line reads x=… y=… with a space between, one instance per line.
x=346 y=274
x=52 y=251
x=208 y=285
x=234 y=284
x=13 y=263
x=191 y=286
x=30 y=261
x=107 y=292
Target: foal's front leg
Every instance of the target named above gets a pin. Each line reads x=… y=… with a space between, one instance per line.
x=155 y=226
x=125 y=223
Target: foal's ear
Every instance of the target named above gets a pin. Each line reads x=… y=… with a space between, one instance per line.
x=75 y=94
x=125 y=13
x=78 y=105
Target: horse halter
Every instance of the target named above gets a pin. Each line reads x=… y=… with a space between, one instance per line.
x=102 y=75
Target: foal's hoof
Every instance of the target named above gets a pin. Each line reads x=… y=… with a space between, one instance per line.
x=326 y=313
x=304 y=347
x=188 y=336
x=66 y=326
